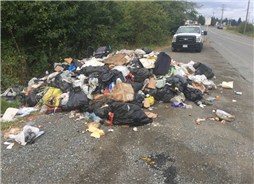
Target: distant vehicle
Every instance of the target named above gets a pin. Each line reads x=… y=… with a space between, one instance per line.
x=188 y=37
x=219 y=27
x=196 y=22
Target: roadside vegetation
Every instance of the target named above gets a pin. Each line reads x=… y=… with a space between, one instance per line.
x=37 y=34
x=239 y=30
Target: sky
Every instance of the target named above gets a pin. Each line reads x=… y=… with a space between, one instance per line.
x=233 y=9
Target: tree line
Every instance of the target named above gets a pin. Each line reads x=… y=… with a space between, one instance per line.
x=37 y=34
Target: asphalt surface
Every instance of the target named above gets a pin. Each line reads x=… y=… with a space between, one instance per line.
x=237 y=50
x=183 y=151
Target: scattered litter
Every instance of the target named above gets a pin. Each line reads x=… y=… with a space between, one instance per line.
x=151 y=115
x=233 y=100
x=149 y=161
x=25 y=111
x=30 y=118
x=198 y=121
x=223 y=122
x=9 y=145
x=135 y=129
x=177 y=104
x=94 y=129
x=224 y=115
x=28 y=135
x=150 y=109
x=166 y=107
x=14 y=131
x=217 y=119
x=111 y=130
x=227 y=85
x=9 y=114
x=238 y=93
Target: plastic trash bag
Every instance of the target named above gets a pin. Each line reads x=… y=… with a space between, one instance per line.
x=28 y=135
x=193 y=94
x=162 y=64
x=128 y=114
x=77 y=100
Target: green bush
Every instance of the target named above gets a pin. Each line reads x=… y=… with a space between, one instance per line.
x=5 y=104
x=249 y=28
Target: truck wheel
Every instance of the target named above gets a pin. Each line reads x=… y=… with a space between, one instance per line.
x=173 y=49
x=199 y=49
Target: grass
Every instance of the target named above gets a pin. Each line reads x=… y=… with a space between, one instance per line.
x=5 y=104
x=233 y=31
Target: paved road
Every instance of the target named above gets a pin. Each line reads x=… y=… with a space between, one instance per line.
x=237 y=50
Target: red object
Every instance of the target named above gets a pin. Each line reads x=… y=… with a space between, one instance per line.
x=106 y=91
x=40 y=126
x=31 y=118
x=111 y=116
x=131 y=76
x=53 y=110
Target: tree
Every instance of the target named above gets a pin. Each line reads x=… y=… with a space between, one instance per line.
x=239 y=21
x=233 y=22
x=201 y=20
x=213 y=21
x=225 y=20
x=249 y=28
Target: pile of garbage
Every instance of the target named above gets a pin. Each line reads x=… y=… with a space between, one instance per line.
x=113 y=87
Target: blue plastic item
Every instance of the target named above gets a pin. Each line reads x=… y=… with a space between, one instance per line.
x=72 y=67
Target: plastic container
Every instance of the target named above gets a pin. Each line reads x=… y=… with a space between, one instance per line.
x=177 y=104
x=224 y=115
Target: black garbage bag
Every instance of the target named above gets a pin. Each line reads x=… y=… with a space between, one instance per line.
x=92 y=69
x=90 y=51
x=162 y=64
x=136 y=86
x=138 y=100
x=163 y=94
x=140 y=74
x=61 y=84
x=77 y=100
x=167 y=97
x=203 y=69
x=177 y=81
x=77 y=63
x=32 y=99
x=128 y=114
x=148 y=51
x=101 y=52
x=101 y=108
x=193 y=94
x=107 y=78
x=135 y=63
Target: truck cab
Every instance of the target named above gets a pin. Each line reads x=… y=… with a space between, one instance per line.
x=188 y=37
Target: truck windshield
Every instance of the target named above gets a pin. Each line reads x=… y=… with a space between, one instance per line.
x=188 y=30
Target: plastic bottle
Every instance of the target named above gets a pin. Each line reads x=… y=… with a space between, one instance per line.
x=95 y=118
x=238 y=93
x=224 y=115
x=210 y=99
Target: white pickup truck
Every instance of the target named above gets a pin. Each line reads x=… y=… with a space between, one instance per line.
x=188 y=37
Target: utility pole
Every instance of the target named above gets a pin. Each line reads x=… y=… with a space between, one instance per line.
x=222 y=14
x=246 y=18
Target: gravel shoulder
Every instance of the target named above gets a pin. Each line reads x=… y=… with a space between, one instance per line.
x=184 y=152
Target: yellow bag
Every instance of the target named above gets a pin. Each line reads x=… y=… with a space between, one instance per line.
x=151 y=100
x=51 y=97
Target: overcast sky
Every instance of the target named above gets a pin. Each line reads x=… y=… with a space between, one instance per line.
x=233 y=9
